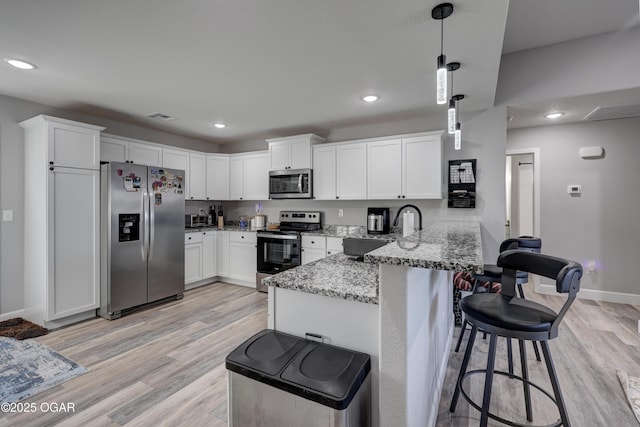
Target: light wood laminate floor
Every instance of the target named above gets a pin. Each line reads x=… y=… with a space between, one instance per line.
x=165 y=365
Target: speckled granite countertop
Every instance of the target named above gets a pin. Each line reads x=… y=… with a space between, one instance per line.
x=447 y=245
x=226 y=228
x=338 y=276
x=357 y=231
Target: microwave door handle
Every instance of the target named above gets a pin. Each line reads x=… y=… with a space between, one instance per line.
x=300 y=183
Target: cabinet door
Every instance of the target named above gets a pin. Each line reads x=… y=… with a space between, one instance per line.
x=236 y=177
x=351 y=171
x=334 y=245
x=192 y=262
x=144 y=154
x=177 y=159
x=222 y=252
x=113 y=150
x=73 y=146
x=197 y=177
x=324 y=173
x=73 y=239
x=312 y=254
x=300 y=154
x=384 y=169
x=279 y=155
x=242 y=261
x=209 y=261
x=217 y=177
x=256 y=176
x=422 y=167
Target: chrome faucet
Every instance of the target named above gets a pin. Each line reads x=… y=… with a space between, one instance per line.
x=397 y=218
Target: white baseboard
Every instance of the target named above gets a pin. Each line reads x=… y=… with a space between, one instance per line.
x=596 y=295
x=11 y=315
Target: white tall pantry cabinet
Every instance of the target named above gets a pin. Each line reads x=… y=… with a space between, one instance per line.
x=62 y=220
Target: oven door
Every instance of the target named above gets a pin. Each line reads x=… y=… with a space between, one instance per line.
x=291 y=184
x=278 y=252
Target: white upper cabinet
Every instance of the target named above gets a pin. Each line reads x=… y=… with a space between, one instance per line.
x=384 y=169
x=114 y=150
x=120 y=149
x=422 y=167
x=69 y=144
x=256 y=176
x=217 y=177
x=292 y=152
x=324 y=172
x=236 y=177
x=351 y=171
x=145 y=154
x=177 y=159
x=197 y=176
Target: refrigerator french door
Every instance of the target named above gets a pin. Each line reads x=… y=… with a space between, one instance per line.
x=142 y=236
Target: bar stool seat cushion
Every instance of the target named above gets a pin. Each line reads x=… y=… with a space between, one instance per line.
x=492 y=271
x=515 y=314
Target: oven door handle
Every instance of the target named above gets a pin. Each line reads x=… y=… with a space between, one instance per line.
x=277 y=237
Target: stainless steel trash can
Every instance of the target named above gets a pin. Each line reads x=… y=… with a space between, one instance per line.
x=279 y=380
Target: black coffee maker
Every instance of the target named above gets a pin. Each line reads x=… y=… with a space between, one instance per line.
x=378 y=220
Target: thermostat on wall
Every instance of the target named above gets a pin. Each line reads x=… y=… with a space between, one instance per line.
x=574 y=189
x=591 y=152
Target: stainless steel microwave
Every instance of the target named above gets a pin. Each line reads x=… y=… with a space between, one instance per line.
x=291 y=184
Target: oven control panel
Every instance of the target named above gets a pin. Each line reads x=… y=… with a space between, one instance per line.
x=300 y=216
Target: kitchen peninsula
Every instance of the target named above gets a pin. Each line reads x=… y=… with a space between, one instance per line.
x=395 y=306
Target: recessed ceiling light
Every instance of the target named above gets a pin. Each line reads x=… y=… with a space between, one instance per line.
x=220 y=125
x=370 y=98
x=554 y=115
x=23 y=65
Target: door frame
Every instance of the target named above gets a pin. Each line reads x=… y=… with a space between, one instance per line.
x=536 y=195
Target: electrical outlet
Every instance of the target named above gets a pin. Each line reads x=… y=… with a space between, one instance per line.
x=591 y=267
x=7 y=215
x=341 y=212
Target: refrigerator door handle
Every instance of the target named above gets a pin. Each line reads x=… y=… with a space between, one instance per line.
x=152 y=226
x=145 y=210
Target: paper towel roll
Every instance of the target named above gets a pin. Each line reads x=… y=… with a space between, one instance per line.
x=407 y=224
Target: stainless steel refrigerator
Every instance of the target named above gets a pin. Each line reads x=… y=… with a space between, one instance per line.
x=142 y=235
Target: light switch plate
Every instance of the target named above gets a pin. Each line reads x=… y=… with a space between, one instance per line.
x=574 y=189
x=7 y=215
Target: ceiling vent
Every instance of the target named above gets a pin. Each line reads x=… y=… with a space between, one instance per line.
x=608 y=113
x=160 y=116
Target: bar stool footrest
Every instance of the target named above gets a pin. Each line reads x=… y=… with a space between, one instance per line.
x=500 y=419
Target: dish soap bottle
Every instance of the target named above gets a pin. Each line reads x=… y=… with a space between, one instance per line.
x=220 y=217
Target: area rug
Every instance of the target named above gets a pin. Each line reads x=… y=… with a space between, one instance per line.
x=29 y=367
x=631 y=387
x=21 y=329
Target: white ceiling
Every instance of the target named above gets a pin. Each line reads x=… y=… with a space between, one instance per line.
x=271 y=69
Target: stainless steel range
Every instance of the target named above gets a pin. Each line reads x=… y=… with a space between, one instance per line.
x=280 y=250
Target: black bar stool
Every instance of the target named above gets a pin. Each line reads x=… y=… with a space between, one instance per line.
x=493 y=273
x=508 y=316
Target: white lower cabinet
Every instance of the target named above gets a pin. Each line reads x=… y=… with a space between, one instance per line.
x=222 y=253
x=313 y=248
x=243 y=256
x=209 y=259
x=334 y=245
x=192 y=257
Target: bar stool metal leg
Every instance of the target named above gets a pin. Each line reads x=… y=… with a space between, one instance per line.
x=525 y=382
x=463 y=368
x=554 y=383
x=488 y=381
x=510 y=355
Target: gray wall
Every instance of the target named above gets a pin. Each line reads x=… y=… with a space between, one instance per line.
x=12 y=111
x=602 y=223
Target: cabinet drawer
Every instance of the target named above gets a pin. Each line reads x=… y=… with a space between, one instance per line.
x=318 y=242
x=242 y=237
x=192 y=237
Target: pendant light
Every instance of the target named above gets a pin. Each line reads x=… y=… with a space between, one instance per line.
x=451 y=113
x=457 y=137
x=441 y=12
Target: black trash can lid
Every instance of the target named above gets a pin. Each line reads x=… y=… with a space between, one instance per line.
x=264 y=354
x=318 y=372
x=326 y=374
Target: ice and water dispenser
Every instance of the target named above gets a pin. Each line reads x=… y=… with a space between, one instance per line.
x=128 y=227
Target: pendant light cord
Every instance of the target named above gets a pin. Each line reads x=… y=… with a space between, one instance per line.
x=441 y=36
